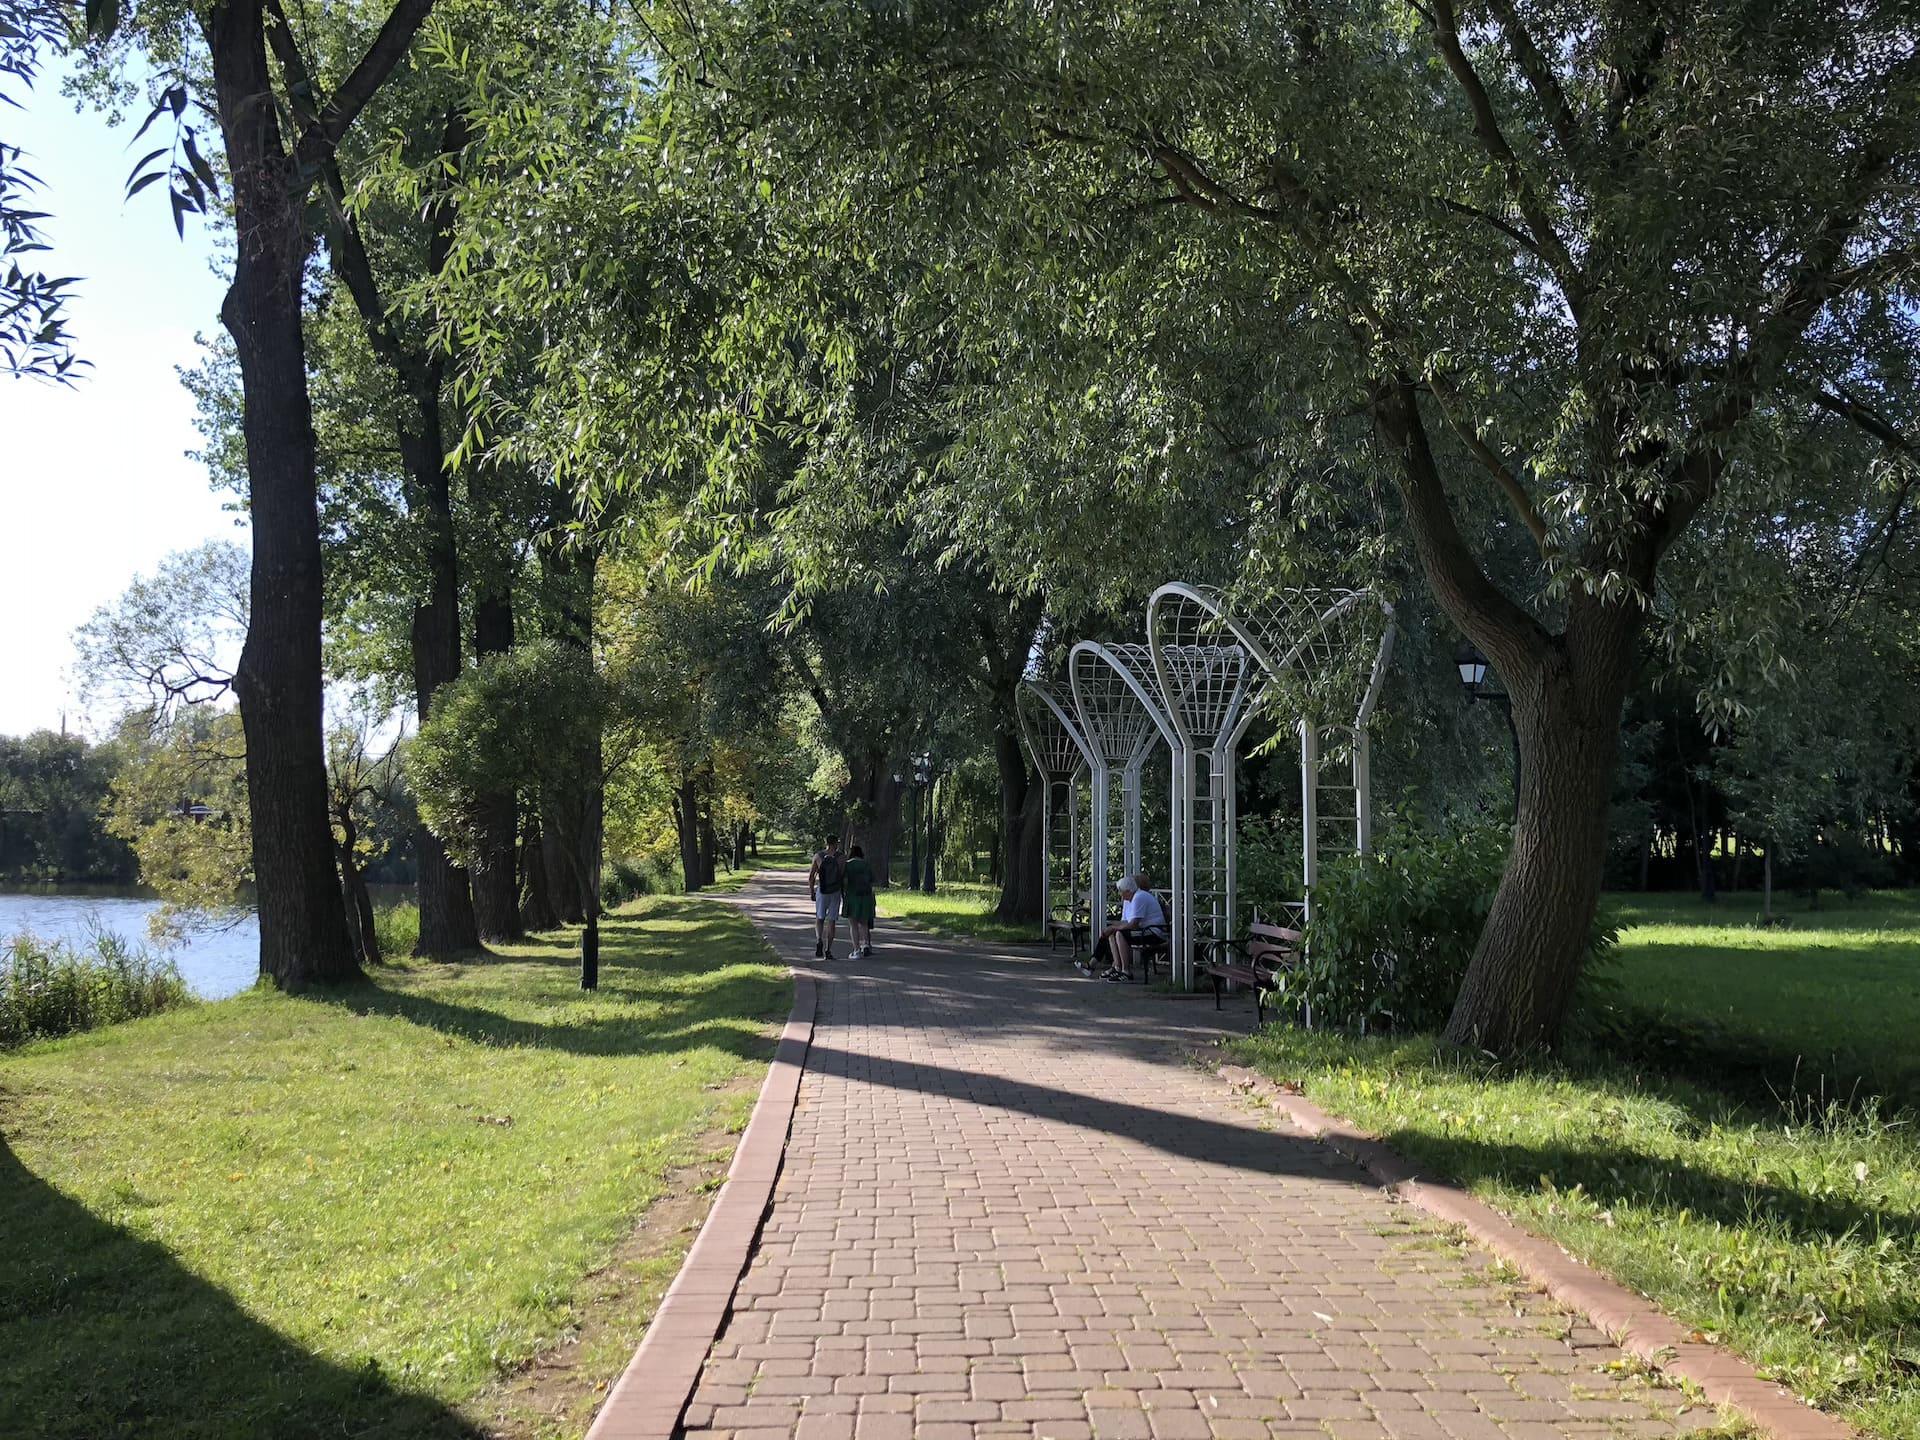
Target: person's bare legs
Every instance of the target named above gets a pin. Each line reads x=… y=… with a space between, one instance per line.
x=1123 y=953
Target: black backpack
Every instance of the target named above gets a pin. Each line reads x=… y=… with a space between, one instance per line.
x=832 y=872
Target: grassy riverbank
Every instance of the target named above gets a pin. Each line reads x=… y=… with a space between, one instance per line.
x=356 y=1213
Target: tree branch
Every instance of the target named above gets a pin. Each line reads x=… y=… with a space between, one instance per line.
x=320 y=138
x=1552 y=249
x=1540 y=77
x=1511 y=636
x=1503 y=475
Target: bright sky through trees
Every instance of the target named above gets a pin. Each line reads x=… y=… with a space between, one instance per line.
x=97 y=485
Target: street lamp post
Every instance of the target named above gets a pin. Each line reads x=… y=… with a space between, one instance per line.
x=1473 y=679
x=923 y=792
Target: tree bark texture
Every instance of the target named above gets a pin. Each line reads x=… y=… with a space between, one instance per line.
x=303 y=926
x=686 y=811
x=1527 y=964
x=1567 y=694
x=1022 y=847
x=496 y=879
x=536 y=900
x=447 y=923
x=873 y=812
x=567 y=576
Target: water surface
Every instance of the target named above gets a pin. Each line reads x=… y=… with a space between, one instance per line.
x=215 y=963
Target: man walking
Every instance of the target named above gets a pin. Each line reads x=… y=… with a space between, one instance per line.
x=826 y=883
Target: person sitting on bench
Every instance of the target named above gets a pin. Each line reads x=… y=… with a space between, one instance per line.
x=1140 y=913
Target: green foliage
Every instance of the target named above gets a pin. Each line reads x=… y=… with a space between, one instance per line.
x=1269 y=865
x=384 y=1199
x=52 y=791
x=1392 y=931
x=397 y=928
x=33 y=329
x=626 y=880
x=1790 y=1233
x=50 y=988
x=181 y=802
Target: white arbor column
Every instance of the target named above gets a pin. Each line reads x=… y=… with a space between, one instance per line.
x=1059 y=752
x=1116 y=701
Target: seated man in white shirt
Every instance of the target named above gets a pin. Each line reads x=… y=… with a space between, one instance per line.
x=1140 y=913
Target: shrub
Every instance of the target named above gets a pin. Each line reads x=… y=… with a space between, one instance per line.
x=1392 y=931
x=1269 y=863
x=646 y=875
x=50 y=987
x=397 y=928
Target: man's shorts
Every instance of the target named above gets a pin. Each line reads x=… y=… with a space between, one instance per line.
x=826 y=904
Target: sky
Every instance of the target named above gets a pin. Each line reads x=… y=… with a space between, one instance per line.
x=95 y=485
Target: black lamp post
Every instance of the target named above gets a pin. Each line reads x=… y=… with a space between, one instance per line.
x=1473 y=679
x=923 y=793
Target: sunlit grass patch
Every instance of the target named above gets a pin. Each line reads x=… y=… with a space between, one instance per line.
x=958 y=908
x=1827 y=1002
x=1792 y=1234
x=347 y=1213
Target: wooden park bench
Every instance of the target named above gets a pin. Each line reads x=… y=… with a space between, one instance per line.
x=1253 y=960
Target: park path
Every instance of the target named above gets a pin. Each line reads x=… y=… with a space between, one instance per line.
x=1011 y=1205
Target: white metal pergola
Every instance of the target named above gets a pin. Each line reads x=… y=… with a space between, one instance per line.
x=1061 y=755
x=1212 y=662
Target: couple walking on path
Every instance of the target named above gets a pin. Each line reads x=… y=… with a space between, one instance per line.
x=839 y=882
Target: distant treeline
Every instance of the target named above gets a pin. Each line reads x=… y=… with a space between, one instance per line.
x=53 y=796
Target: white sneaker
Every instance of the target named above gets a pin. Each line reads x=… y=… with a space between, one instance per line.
x=856 y=954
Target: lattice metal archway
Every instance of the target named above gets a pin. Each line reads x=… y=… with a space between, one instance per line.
x=1060 y=753
x=1122 y=715
x=1318 y=657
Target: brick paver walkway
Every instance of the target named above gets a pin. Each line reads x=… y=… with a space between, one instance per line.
x=1010 y=1207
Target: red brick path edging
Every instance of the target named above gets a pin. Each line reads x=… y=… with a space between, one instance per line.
x=1634 y=1323
x=648 y=1398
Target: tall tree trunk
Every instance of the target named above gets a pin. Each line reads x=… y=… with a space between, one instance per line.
x=303 y=927
x=709 y=844
x=916 y=801
x=686 y=812
x=447 y=924
x=1021 y=847
x=567 y=573
x=1568 y=692
x=536 y=903
x=872 y=813
x=496 y=881
x=1527 y=964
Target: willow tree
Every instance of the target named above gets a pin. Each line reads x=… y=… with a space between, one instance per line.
x=279 y=129
x=1558 y=278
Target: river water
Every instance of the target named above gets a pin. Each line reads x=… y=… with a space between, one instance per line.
x=215 y=963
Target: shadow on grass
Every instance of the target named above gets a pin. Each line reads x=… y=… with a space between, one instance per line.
x=106 y=1335
x=685 y=987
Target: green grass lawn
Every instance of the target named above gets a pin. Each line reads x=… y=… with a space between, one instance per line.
x=957 y=908
x=1760 y=1179
x=348 y=1214
x=1794 y=1236
x=1825 y=1003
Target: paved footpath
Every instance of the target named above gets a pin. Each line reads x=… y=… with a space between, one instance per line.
x=1010 y=1206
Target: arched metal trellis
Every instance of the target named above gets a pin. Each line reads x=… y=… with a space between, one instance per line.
x=1059 y=752
x=1317 y=658
x=1314 y=659
x=1122 y=715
